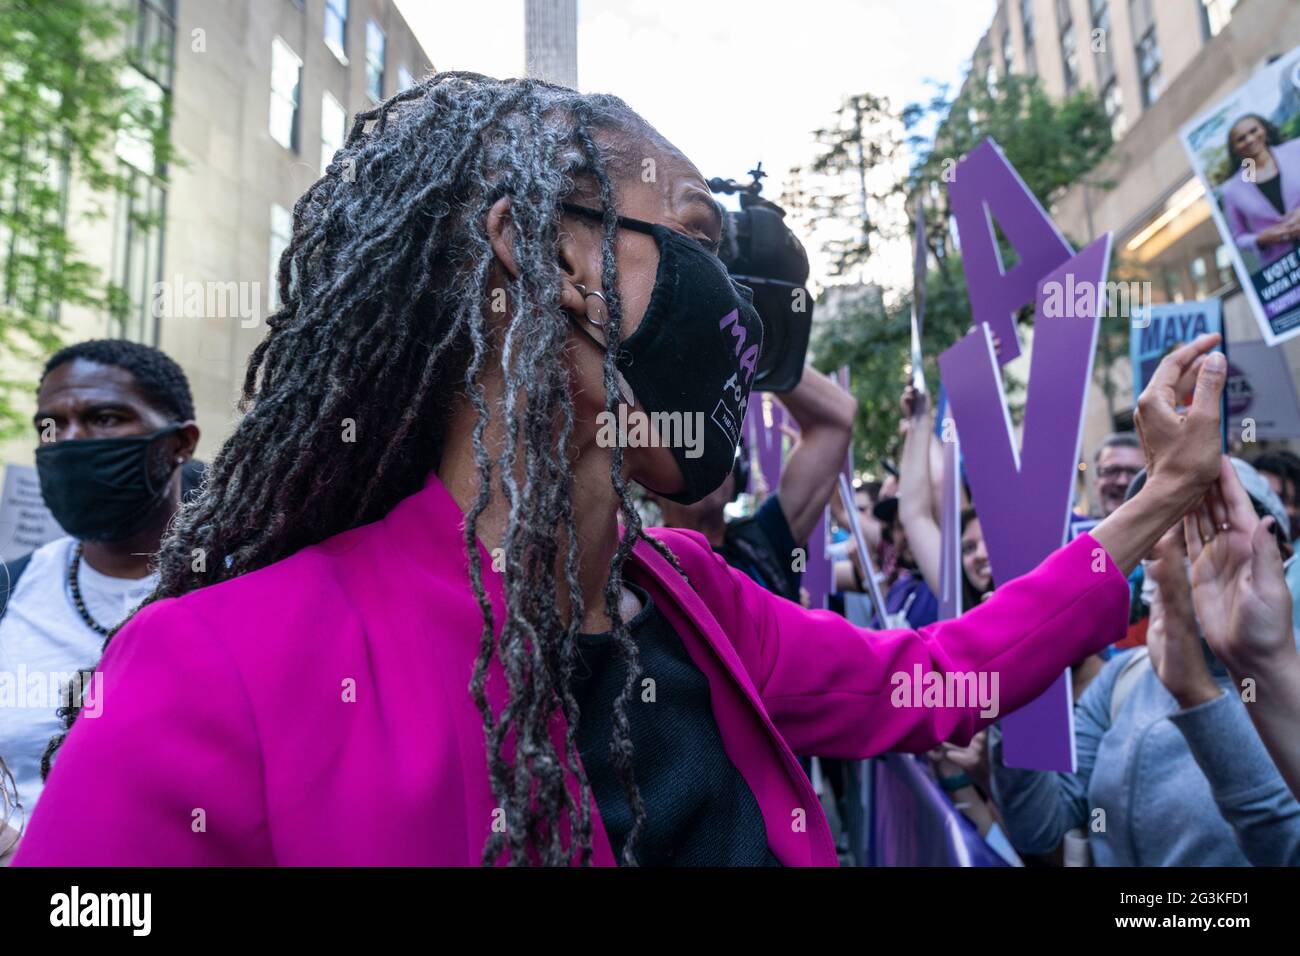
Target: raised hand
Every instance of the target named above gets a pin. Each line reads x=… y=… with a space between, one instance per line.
x=913 y=403
x=1238 y=587
x=1244 y=606
x=1172 y=638
x=972 y=757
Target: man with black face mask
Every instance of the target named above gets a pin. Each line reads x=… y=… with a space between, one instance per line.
x=115 y=428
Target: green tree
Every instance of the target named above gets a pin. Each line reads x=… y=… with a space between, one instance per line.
x=73 y=104
x=1051 y=144
x=866 y=133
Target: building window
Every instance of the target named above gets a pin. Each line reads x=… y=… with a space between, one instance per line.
x=1069 y=46
x=333 y=129
x=336 y=28
x=1200 y=277
x=134 y=144
x=1173 y=285
x=374 y=61
x=137 y=246
x=404 y=78
x=1223 y=262
x=1027 y=31
x=152 y=40
x=286 y=87
x=281 y=234
x=1147 y=50
x=1215 y=15
x=1148 y=55
x=1102 y=56
x=142 y=204
x=1008 y=53
x=137 y=254
x=1113 y=102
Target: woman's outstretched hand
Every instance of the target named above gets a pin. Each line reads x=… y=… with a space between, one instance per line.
x=1182 y=451
x=1238 y=586
x=1183 y=446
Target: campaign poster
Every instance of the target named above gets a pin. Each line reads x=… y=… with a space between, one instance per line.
x=1159 y=329
x=1262 y=404
x=1246 y=151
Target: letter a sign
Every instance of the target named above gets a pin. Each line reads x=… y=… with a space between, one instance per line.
x=1022 y=491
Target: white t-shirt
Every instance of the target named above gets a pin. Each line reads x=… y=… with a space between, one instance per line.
x=43 y=643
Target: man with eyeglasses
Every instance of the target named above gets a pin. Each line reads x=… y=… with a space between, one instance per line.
x=1118 y=460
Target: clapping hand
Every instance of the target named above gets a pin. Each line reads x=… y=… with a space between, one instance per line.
x=1172 y=638
x=1238 y=587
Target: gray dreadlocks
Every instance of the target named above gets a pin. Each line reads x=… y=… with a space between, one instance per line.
x=383 y=289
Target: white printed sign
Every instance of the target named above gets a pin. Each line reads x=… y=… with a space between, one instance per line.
x=25 y=522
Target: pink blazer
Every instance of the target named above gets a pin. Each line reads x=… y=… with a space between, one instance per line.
x=1248 y=211
x=318 y=711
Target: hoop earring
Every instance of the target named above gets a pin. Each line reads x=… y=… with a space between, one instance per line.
x=624 y=388
x=586 y=294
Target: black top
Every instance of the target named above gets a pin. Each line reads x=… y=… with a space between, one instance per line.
x=1272 y=190
x=762 y=546
x=699 y=809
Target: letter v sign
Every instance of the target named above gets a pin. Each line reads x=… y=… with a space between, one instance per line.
x=1023 y=494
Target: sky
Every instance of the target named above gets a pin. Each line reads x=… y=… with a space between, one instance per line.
x=731 y=83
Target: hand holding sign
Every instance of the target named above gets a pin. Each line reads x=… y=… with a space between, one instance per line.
x=913 y=403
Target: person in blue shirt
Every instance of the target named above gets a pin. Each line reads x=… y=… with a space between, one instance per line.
x=1170 y=771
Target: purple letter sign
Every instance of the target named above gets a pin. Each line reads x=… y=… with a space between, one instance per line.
x=984 y=189
x=1023 y=497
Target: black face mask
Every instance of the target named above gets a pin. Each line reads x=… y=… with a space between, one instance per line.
x=694 y=353
x=101 y=489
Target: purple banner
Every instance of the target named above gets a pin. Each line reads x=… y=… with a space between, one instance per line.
x=818 y=577
x=915 y=824
x=764 y=445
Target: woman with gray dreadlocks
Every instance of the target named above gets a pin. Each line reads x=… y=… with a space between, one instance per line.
x=413 y=616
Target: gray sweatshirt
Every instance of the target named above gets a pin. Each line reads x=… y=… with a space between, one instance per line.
x=1178 y=787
